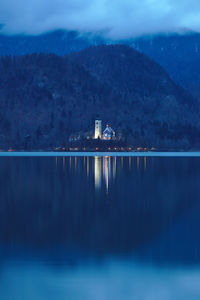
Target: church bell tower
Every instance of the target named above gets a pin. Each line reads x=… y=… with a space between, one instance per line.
x=98 y=129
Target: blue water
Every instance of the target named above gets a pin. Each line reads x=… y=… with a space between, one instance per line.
x=99 y=227
x=101 y=154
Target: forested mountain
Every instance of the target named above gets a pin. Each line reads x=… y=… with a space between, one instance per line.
x=44 y=98
x=178 y=54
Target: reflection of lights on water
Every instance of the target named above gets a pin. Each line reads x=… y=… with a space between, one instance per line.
x=63 y=162
x=56 y=161
x=102 y=169
x=70 y=162
x=138 y=162
x=129 y=162
x=122 y=161
x=109 y=168
x=84 y=161
x=114 y=166
x=75 y=162
x=145 y=162
x=97 y=172
x=88 y=166
x=106 y=166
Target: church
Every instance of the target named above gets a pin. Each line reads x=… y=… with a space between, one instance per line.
x=107 y=134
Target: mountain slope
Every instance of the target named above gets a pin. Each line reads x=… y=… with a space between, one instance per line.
x=44 y=98
x=178 y=54
x=126 y=70
x=149 y=97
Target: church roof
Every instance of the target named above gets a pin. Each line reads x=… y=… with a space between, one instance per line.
x=108 y=130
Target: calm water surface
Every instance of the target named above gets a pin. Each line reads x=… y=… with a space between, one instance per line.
x=99 y=228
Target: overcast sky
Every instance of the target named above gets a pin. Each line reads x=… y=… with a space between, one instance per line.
x=118 y=19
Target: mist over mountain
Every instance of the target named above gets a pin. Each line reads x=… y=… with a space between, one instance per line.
x=59 y=42
x=44 y=98
x=119 y=19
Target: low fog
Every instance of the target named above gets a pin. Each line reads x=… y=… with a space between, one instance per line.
x=117 y=19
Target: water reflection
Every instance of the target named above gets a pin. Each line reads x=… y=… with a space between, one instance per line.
x=138 y=162
x=88 y=166
x=106 y=171
x=73 y=210
x=97 y=172
x=75 y=163
x=70 y=162
x=63 y=162
x=130 y=161
x=105 y=168
x=112 y=280
x=145 y=162
x=114 y=167
x=122 y=162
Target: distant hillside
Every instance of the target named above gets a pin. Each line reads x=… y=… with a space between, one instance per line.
x=178 y=54
x=127 y=71
x=44 y=98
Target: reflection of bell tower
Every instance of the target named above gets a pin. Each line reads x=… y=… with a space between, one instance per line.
x=98 y=129
x=97 y=171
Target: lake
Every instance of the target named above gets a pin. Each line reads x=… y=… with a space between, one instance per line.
x=99 y=227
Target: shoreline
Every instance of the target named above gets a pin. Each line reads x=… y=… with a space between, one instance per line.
x=100 y=154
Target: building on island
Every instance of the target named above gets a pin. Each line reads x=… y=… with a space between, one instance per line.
x=98 y=129
x=108 y=133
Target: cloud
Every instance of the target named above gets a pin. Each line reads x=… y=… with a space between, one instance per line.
x=117 y=19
